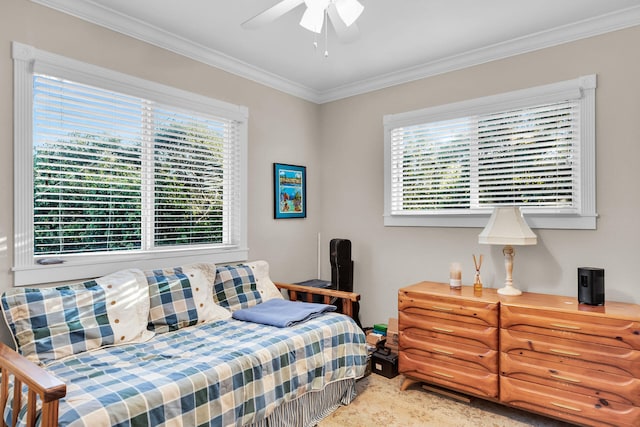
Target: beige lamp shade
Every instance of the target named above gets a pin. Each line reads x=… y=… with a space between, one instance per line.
x=507 y=227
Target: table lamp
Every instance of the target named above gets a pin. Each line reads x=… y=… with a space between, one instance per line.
x=507 y=227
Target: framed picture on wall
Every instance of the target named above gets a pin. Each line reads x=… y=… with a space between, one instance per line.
x=290 y=191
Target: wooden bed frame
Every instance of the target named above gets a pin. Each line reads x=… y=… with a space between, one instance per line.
x=347 y=299
x=49 y=389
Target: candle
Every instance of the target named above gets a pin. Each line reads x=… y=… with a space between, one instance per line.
x=455 y=275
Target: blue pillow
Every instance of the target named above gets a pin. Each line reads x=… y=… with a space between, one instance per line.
x=172 y=305
x=52 y=323
x=235 y=287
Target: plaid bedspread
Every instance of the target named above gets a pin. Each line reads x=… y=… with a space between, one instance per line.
x=226 y=373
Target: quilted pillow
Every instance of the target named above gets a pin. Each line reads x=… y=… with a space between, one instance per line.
x=181 y=296
x=51 y=323
x=264 y=285
x=235 y=287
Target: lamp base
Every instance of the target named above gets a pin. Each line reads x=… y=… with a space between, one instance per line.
x=509 y=290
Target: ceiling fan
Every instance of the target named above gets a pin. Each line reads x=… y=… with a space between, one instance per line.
x=341 y=13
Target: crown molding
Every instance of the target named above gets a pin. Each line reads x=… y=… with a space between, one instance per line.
x=104 y=17
x=99 y=15
x=588 y=28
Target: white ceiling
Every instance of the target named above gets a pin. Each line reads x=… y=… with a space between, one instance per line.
x=400 y=40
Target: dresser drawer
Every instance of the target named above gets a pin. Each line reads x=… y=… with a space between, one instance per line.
x=580 y=327
x=600 y=385
x=418 y=365
x=616 y=360
x=427 y=335
x=562 y=404
x=464 y=310
x=479 y=335
x=440 y=347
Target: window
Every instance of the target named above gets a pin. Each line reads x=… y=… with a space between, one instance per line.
x=115 y=171
x=534 y=148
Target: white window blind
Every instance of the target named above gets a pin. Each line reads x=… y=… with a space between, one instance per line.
x=122 y=173
x=87 y=169
x=530 y=157
x=536 y=153
x=196 y=175
x=523 y=157
x=106 y=163
x=431 y=167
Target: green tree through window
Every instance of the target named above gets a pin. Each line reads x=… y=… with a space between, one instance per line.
x=86 y=195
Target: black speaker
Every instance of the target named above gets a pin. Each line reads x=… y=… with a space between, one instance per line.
x=591 y=285
x=341 y=264
x=342 y=271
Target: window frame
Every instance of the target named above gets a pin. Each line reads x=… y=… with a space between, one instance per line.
x=581 y=89
x=28 y=60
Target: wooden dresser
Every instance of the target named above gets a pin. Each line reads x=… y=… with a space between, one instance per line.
x=573 y=362
x=449 y=338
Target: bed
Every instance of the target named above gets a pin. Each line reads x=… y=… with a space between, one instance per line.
x=217 y=372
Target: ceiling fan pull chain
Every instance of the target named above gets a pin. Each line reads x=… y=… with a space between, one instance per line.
x=326 y=31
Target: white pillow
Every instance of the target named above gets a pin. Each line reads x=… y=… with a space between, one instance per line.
x=202 y=277
x=127 y=296
x=265 y=286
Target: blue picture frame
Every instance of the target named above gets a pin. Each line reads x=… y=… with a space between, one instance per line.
x=290 y=191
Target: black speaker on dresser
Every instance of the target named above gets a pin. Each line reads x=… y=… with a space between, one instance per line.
x=591 y=286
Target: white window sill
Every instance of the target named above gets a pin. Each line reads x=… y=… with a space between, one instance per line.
x=578 y=222
x=95 y=266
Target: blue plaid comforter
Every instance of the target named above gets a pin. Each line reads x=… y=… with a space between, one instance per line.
x=226 y=373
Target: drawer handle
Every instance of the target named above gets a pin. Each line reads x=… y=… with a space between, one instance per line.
x=438 y=307
x=437 y=350
x=442 y=374
x=571 y=408
x=563 y=378
x=436 y=328
x=564 y=352
x=560 y=325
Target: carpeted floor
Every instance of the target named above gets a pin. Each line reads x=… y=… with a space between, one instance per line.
x=381 y=403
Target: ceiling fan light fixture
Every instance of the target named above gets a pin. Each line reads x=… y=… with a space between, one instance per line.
x=349 y=10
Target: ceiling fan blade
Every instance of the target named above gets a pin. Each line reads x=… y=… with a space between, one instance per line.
x=313 y=19
x=271 y=14
x=346 y=34
x=349 y=10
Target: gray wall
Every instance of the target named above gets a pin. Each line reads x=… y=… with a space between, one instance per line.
x=282 y=128
x=341 y=143
x=387 y=258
